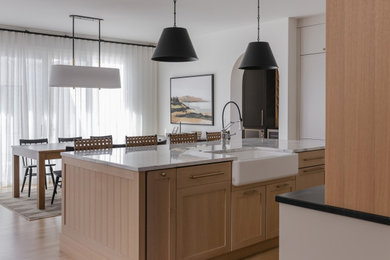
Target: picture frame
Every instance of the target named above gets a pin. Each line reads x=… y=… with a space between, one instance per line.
x=192 y=100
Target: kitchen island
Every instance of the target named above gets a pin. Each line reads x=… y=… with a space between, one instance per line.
x=169 y=202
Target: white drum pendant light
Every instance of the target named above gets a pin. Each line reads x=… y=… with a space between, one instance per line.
x=84 y=76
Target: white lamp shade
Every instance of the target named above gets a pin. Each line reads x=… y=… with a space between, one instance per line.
x=84 y=77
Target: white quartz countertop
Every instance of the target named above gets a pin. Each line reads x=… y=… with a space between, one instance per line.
x=170 y=156
x=149 y=158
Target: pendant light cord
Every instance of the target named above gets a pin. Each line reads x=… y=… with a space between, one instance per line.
x=73 y=61
x=258 y=20
x=99 y=43
x=174 y=13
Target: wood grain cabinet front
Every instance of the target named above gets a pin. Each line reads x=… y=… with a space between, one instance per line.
x=310 y=177
x=272 y=209
x=248 y=217
x=203 y=211
x=161 y=215
x=311 y=158
x=203 y=221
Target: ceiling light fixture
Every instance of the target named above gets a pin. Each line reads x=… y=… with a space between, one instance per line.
x=174 y=44
x=258 y=55
x=84 y=76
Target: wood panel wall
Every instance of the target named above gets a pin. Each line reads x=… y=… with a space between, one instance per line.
x=103 y=212
x=358 y=105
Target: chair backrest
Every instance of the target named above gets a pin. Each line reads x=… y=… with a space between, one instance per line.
x=68 y=139
x=31 y=141
x=92 y=144
x=183 y=138
x=132 y=141
x=101 y=137
x=213 y=136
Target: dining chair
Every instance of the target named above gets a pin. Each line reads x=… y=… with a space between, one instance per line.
x=145 y=140
x=58 y=173
x=101 y=137
x=183 y=138
x=213 y=136
x=68 y=139
x=29 y=164
x=93 y=144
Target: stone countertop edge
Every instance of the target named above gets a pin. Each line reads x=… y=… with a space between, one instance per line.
x=314 y=198
x=151 y=167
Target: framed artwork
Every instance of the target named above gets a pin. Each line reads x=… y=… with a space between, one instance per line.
x=192 y=100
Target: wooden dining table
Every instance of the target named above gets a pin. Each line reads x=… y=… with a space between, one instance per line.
x=40 y=153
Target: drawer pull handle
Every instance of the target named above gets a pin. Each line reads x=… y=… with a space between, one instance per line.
x=313 y=159
x=249 y=192
x=320 y=169
x=163 y=174
x=206 y=175
x=282 y=185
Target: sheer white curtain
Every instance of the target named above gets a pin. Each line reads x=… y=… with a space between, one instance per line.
x=30 y=109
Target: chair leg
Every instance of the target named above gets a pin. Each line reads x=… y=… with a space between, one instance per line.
x=55 y=189
x=24 y=179
x=52 y=174
x=29 y=183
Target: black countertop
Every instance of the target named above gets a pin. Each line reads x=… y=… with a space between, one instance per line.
x=314 y=198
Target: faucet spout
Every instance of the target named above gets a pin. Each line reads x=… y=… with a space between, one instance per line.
x=226 y=134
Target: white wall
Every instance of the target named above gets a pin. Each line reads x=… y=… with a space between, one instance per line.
x=218 y=53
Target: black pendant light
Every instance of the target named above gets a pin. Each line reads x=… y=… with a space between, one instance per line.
x=258 y=55
x=175 y=44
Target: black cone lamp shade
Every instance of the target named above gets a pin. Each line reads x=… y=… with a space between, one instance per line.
x=258 y=56
x=174 y=46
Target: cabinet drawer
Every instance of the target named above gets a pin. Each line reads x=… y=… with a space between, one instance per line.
x=312 y=158
x=203 y=174
x=310 y=177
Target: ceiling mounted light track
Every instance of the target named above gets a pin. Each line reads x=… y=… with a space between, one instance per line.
x=258 y=55
x=174 y=44
x=84 y=76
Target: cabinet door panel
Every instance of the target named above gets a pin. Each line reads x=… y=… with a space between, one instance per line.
x=272 y=215
x=312 y=97
x=203 y=221
x=313 y=39
x=161 y=214
x=310 y=177
x=248 y=217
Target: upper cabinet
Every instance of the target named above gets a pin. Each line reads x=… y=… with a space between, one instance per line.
x=312 y=77
x=313 y=39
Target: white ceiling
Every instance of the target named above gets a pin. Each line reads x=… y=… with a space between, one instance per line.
x=143 y=20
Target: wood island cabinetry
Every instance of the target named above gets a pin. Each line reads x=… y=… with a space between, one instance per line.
x=248 y=217
x=272 y=216
x=188 y=212
x=182 y=213
x=311 y=169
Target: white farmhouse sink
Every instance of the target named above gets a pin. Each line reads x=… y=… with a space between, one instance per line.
x=254 y=166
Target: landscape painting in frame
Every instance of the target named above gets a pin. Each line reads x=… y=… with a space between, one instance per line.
x=192 y=100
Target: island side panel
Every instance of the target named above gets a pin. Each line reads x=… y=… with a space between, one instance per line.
x=103 y=211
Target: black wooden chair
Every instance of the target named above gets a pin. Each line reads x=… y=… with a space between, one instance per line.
x=30 y=164
x=58 y=173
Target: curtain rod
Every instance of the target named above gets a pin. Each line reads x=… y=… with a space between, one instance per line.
x=77 y=38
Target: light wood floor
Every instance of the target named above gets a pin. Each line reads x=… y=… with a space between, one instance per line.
x=39 y=240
